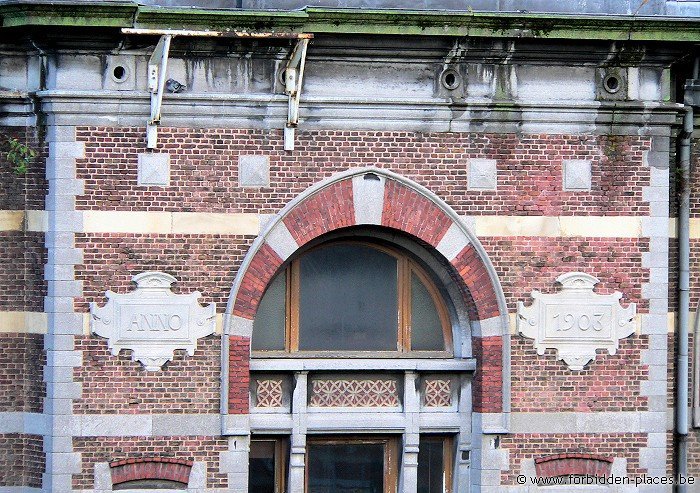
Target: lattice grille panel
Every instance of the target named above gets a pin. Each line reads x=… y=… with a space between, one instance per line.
x=269 y=392
x=376 y=392
x=438 y=393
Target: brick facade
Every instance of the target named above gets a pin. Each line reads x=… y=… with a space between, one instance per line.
x=23 y=191
x=22 y=460
x=22 y=361
x=204 y=178
x=609 y=383
x=204 y=169
x=22 y=284
x=204 y=263
x=537 y=446
x=114 y=449
x=190 y=385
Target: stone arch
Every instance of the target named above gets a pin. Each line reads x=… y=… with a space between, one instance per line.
x=373 y=196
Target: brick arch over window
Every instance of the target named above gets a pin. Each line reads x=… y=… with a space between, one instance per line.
x=573 y=463
x=372 y=196
x=163 y=468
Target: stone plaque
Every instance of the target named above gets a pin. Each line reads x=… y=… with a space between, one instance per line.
x=152 y=321
x=576 y=321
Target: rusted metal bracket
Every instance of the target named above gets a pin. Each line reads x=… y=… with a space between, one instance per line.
x=293 y=79
x=157 y=66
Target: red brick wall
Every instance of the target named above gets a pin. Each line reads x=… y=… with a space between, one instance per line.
x=204 y=169
x=22 y=460
x=190 y=448
x=22 y=363
x=673 y=274
x=239 y=374
x=487 y=389
x=205 y=263
x=116 y=384
x=22 y=285
x=609 y=383
x=613 y=445
x=27 y=191
x=694 y=183
x=204 y=177
x=524 y=264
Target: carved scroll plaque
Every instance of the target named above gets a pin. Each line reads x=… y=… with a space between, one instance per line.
x=152 y=321
x=576 y=321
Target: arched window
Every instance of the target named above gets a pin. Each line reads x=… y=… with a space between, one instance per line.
x=352 y=296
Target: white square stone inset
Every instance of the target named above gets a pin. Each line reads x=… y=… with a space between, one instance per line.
x=254 y=171
x=482 y=174
x=577 y=174
x=154 y=170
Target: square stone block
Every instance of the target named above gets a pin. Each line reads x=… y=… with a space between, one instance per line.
x=577 y=174
x=482 y=174
x=254 y=171
x=154 y=170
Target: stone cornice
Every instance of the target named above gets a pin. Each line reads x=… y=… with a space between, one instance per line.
x=352 y=21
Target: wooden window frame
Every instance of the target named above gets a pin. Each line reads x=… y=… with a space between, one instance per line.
x=448 y=458
x=281 y=458
x=405 y=268
x=392 y=459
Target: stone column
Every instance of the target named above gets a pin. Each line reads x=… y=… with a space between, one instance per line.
x=462 y=467
x=63 y=322
x=297 y=455
x=408 y=479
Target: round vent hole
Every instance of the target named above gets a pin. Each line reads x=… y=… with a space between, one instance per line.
x=450 y=79
x=611 y=83
x=119 y=73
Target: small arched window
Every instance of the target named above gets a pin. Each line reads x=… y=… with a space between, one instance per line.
x=352 y=297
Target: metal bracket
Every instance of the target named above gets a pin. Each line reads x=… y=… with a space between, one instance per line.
x=293 y=78
x=157 y=66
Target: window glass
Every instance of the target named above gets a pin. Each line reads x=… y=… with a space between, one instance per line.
x=266 y=467
x=269 y=324
x=356 y=468
x=348 y=299
x=434 y=464
x=426 y=327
